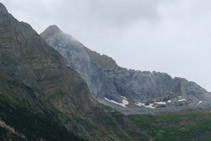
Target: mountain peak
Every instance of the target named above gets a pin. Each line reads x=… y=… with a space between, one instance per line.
x=3 y=9
x=52 y=29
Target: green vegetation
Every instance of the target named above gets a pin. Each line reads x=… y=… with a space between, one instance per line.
x=107 y=121
x=175 y=126
x=5 y=134
x=56 y=95
x=32 y=124
x=7 y=60
x=123 y=137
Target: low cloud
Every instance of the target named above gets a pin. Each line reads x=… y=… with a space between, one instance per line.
x=162 y=35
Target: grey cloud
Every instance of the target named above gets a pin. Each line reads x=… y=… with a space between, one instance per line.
x=124 y=11
x=162 y=35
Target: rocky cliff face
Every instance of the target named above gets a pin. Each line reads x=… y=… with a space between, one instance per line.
x=128 y=91
x=38 y=87
x=78 y=58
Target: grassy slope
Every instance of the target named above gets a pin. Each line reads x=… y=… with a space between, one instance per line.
x=176 y=126
x=32 y=124
x=7 y=135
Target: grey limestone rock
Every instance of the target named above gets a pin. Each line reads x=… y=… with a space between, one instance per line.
x=128 y=91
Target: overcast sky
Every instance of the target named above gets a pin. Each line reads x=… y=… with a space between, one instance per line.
x=172 y=36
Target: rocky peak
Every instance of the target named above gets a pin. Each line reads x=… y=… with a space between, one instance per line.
x=102 y=61
x=129 y=91
x=3 y=9
x=52 y=29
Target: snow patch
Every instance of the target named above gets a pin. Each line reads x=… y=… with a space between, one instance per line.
x=199 y=102
x=140 y=104
x=146 y=106
x=182 y=100
x=123 y=104
x=150 y=106
x=160 y=103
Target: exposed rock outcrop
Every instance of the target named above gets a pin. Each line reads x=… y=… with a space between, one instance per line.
x=128 y=91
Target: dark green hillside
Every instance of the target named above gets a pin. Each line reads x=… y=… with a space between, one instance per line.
x=5 y=135
x=30 y=123
x=190 y=126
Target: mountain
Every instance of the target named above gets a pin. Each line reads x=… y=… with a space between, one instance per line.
x=128 y=91
x=41 y=98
